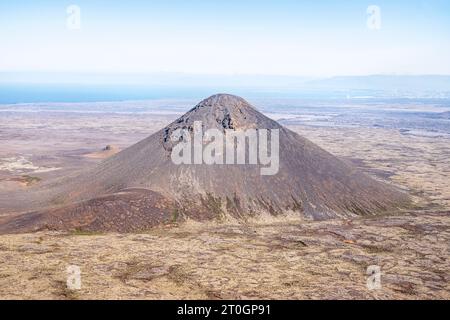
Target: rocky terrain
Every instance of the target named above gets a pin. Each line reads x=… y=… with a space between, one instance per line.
x=270 y=258
x=286 y=259
x=310 y=182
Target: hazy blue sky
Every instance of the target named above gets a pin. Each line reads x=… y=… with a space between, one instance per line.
x=307 y=38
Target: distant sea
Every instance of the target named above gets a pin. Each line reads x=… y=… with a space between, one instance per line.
x=67 y=93
x=41 y=93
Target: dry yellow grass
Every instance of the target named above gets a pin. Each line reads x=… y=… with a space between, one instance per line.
x=280 y=260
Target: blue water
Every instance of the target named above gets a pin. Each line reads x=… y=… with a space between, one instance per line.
x=25 y=93
x=41 y=93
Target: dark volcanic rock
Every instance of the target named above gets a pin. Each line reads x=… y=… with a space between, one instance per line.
x=310 y=180
x=128 y=210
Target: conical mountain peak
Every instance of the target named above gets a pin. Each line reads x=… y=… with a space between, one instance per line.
x=142 y=186
x=223 y=111
x=224 y=100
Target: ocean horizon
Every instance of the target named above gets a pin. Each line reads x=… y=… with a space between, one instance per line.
x=17 y=93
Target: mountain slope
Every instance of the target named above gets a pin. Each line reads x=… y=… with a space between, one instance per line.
x=310 y=181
